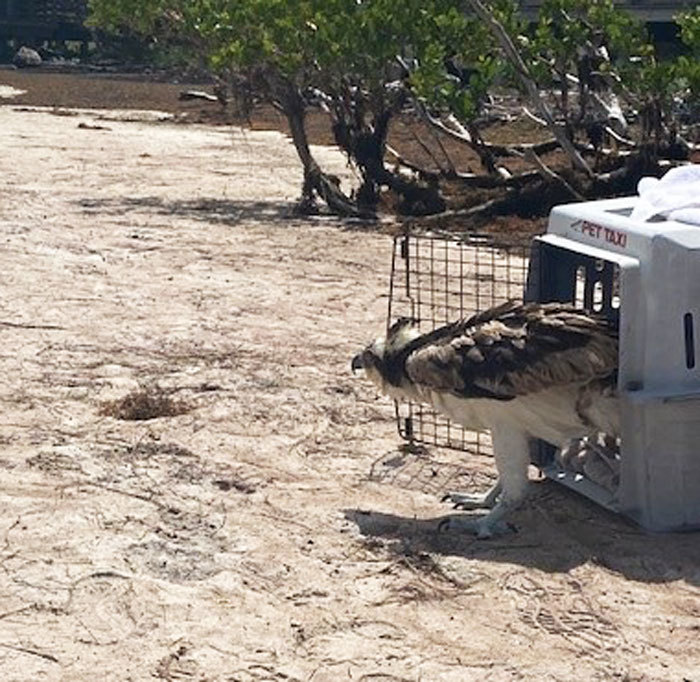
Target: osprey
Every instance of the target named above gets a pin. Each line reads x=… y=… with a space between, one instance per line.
x=522 y=371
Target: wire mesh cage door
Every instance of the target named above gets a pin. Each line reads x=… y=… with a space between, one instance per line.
x=437 y=278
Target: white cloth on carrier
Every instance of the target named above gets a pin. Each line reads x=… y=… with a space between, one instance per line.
x=676 y=196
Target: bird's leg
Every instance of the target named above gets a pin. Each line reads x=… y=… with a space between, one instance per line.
x=510 y=449
x=467 y=501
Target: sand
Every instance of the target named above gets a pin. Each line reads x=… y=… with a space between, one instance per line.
x=275 y=528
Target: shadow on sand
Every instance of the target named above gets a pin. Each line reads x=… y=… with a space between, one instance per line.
x=221 y=211
x=556 y=530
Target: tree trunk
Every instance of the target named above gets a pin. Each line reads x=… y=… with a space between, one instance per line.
x=366 y=147
x=315 y=180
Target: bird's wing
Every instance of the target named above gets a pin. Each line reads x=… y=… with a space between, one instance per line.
x=514 y=349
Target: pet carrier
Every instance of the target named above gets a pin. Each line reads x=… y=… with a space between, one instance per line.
x=644 y=276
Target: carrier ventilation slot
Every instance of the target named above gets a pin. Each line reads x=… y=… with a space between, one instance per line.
x=689 y=332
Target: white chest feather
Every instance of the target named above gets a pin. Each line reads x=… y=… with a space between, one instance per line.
x=551 y=415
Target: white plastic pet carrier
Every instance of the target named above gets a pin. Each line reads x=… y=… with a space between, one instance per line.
x=646 y=277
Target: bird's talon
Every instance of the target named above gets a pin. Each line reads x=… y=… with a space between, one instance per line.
x=480 y=527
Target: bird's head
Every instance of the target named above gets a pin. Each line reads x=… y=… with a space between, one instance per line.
x=383 y=359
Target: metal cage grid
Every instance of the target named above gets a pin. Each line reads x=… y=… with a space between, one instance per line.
x=437 y=278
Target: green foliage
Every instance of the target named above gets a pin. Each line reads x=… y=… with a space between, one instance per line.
x=135 y=15
x=326 y=43
x=688 y=66
x=290 y=36
x=576 y=37
x=571 y=37
x=450 y=35
x=663 y=88
x=689 y=23
x=350 y=50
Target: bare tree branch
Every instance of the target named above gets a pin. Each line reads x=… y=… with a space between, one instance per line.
x=464 y=215
x=461 y=134
x=429 y=151
x=448 y=158
x=534 y=118
x=410 y=165
x=549 y=174
x=619 y=138
x=530 y=85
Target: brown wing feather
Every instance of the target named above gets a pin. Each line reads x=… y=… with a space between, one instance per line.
x=515 y=349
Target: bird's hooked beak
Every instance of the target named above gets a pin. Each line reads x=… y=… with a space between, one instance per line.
x=357 y=363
